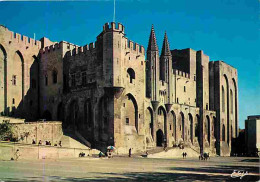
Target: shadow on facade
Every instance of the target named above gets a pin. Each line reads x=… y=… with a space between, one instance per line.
x=238 y=146
x=28 y=107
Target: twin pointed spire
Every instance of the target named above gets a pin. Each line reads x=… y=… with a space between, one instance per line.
x=166 y=47
x=152 y=45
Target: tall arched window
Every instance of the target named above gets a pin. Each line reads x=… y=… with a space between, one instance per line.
x=231 y=100
x=182 y=125
x=131 y=74
x=208 y=128
x=88 y=112
x=54 y=76
x=46 y=79
x=191 y=127
x=3 y=79
x=223 y=133
x=223 y=99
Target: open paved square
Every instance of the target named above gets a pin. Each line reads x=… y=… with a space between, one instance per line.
x=130 y=169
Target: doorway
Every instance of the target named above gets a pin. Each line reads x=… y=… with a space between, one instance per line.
x=159 y=138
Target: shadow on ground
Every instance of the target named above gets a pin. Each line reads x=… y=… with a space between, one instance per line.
x=219 y=169
x=156 y=176
x=250 y=160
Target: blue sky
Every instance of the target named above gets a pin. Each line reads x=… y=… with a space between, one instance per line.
x=225 y=30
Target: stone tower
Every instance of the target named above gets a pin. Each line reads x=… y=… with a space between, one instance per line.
x=166 y=67
x=152 y=69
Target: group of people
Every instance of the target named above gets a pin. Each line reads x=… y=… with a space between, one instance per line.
x=204 y=156
x=82 y=154
x=184 y=155
x=181 y=146
x=46 y=143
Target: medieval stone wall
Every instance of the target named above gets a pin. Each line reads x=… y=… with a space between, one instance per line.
x=225 y=103
x=19 y=74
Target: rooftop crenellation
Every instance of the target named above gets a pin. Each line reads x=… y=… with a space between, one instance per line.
x=113 y=27
x=16 y=37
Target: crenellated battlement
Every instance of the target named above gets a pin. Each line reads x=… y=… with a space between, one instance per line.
x=134 y=47
x=79 y=50
x=18 y=38
x=52 y=48
x=181 y=73
x=63 y=45
x=113 y=27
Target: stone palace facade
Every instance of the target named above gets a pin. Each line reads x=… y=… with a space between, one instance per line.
x=113 y=92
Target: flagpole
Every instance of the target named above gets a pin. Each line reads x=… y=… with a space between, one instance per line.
x=114 y=19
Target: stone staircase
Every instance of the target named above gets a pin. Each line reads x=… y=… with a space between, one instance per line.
x=175 y=153
x=70 y=142
x=171 y=152
x=74 y=139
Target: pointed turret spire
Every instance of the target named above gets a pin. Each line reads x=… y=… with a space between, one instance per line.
x=166 y=47
x=152 y=45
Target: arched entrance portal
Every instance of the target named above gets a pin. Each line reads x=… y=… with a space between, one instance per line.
x=3 y=80
x=159 y=138
x=131 y=109
x=182 y=126
x=191 y=127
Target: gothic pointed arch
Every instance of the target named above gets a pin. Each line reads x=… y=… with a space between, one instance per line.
x=150 y=120
x=182 y=122
x=131 y=107
x=215 y=127
x=197 y=128
x=191 y=127
x=174 y=125
x=227 y=107
x=3 y=80
x=88 y=113
x=131 y=75
x=207 y=128
x=162 y=117
x=73 y=113
x=18 y=82
x=54 y=76
x=236 y=107
x=223 y=133
x=103 y=116
x=159 y=138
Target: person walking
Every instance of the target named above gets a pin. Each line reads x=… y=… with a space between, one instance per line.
x=17 y=154
x=130 y=152
x=185 y=154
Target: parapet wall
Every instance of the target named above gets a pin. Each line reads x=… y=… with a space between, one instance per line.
x=44 y=131
x=57 y=46
x=181 y=73
x=134 y=47
x=78 y=50
x=16 y=37
x=113 y=27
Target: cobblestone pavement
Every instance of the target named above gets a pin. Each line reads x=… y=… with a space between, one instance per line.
x=130 y=169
